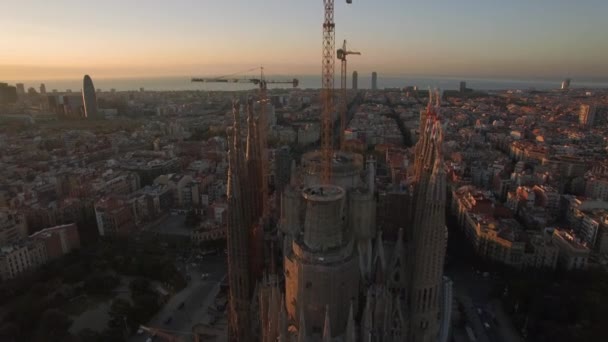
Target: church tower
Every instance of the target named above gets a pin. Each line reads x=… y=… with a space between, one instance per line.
x=429 y=232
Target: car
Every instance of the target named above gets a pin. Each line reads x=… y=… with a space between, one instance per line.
x=140 y=331
x=486 y=325
x=204 y=276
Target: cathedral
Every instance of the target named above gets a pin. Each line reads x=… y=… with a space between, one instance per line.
x=322 y=270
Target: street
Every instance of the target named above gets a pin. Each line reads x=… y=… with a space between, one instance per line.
x=475 y=288
x=196 y=298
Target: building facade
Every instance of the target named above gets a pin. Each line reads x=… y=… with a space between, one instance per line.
x=330 y=254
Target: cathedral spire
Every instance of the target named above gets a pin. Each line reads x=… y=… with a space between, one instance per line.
x=273 y=313
x=283 y=322
x=302 y=328
x=429 y=240
x=351 y=333
x=293 y=178
x=238 y=256
x=250 y=131
x=397 y=267
x=327 y=326
x=366 y=318
x=379 y=263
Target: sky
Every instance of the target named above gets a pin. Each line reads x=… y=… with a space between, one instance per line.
x=62 y=39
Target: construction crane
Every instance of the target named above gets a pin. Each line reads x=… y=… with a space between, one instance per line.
x=327 y=83
x=262 y=82
x=262 y=120
x=165 y=334
x=342 y=53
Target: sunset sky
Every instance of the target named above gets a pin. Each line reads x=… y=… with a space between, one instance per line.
x=128 y=38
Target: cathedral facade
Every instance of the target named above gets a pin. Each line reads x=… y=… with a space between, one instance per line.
x=331 y=275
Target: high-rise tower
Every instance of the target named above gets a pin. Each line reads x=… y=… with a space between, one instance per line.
x=89 y=98
x=355 y=80
x=374 y=80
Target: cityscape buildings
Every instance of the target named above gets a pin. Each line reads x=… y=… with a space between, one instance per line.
x=235 y=215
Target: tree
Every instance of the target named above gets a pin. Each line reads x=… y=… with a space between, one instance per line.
x=139 y=285
x=9 y=332
x=54 y=326
x=120 y=310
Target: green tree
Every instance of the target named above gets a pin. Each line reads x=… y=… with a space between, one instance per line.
x=54 y=325
x=139 y=285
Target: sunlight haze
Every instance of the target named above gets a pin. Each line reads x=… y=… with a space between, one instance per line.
x=64 y=39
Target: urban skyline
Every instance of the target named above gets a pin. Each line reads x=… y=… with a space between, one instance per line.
x=269 y=197
x=475 y=39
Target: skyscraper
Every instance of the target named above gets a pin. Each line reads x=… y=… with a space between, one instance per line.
x=89 y=98
x=566 y=84
x=355 y=80
x=20 y=89
x=42 y=89
x=374 y=80
x=463 y=86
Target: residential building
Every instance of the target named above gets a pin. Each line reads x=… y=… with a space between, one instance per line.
x=12 y=227
x=114 y=216
x=58 y=240
x=21 y=257
x=573 y=254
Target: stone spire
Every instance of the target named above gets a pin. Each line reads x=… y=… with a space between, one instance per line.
x=293 y=178
x=302 y=328
x=254 y=164
x=238 y=263
x=283 y=337
x=429 y=240
x=397 y=276
x=327 y=326
x=273 y=314
x=371 y=175
x=379 y=262
x=388 y=311
x=351 y=332
x=366 y=318
x=397 y=327
x=365 y=250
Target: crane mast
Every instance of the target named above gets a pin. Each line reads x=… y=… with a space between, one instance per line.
x=327 y=91
x=342 y=53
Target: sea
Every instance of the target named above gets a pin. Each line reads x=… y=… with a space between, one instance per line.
x=183 y=83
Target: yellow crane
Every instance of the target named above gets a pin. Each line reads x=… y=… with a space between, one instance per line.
x=327 y=91
x=341 y=54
